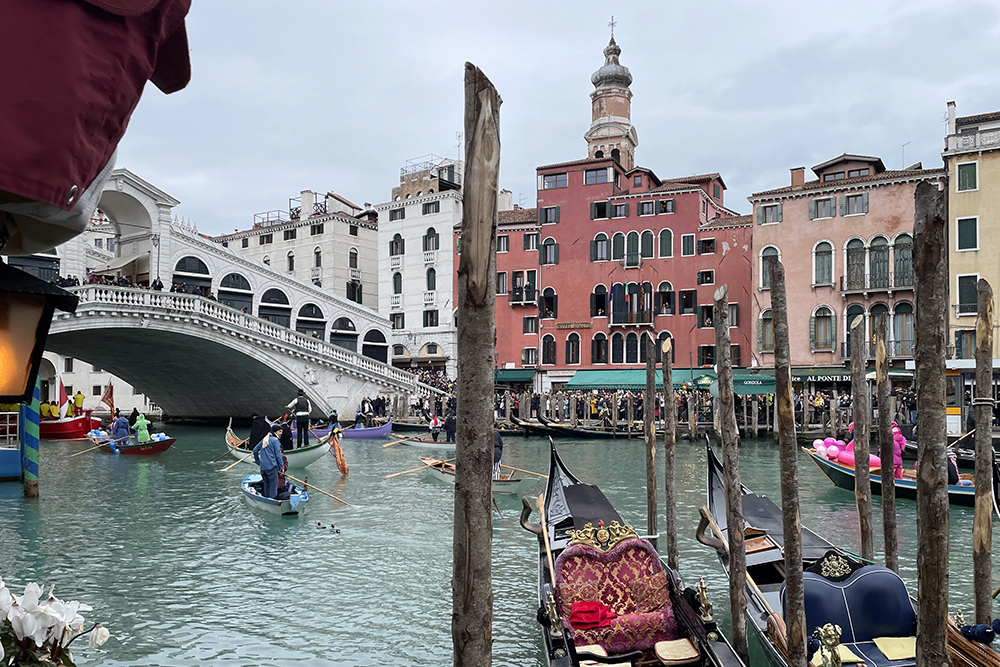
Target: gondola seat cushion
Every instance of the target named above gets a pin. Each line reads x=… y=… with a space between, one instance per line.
x=613 y=573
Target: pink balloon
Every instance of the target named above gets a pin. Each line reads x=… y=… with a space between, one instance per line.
x=817 y=442
x=832 y=452
x=841 y=444
x=830 y=441
x=820 y=449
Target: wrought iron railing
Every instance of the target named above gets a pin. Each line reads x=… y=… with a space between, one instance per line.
x=863 y=282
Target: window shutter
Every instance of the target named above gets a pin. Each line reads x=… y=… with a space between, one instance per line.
x=833 y=206
x=555 y=307
x=541 y=256
x=593 y=210
x=557 y=214
x=593 y=251
x=555 y=254
x=864 y=202
x=779 y=212
x=812 y=209
x=833 y=331
x=593 y=304
x=760 y=215
x=593 y=350
x=626 y=210
x=526 y=241
x=760 y=334
x=843 y=205
x=812 y=333
x=670 y=302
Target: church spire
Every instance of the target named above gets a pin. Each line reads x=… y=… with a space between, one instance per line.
x=611 y=133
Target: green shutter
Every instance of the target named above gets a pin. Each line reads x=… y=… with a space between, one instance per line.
x=833 y=206
x=833 y=329
x=525 y=238
x=812 y=209
x=760 y=215
x=779 y=211
x=812 y=333
x=626 y=210
x=593 y=210
x=555 y=254
x=557 y=214
x=843 y=205
x=593 y=251
x=760 y=334
x=864 y=202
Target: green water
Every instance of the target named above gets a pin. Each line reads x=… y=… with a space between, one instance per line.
x=183 y=572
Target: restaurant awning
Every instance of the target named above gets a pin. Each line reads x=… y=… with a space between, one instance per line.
x=119 y=262
x=636 y=379
x=822 y=374
x=749 y=384
x=514 y=374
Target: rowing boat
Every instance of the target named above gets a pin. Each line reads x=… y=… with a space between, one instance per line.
x=599 y=563
x=362 y=432
x=445 y=472
x=131 y=446
x=297 y=458
x=429 y=443
x=284 y=507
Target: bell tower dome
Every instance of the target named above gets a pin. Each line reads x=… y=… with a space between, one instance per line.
x=611 y=133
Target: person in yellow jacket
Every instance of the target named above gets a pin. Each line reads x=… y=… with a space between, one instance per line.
x=78 y=401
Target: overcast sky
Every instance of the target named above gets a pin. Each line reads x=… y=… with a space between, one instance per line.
x=327 y=95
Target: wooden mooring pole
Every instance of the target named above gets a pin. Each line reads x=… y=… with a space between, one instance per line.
x=930 y=269
x=982 y=527
x=886 y=449
x=472 y=581
x=669 y=441
x=862 y=447
x=731 y=467
x=649 y=431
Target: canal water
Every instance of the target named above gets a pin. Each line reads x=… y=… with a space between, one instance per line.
x=183 y=572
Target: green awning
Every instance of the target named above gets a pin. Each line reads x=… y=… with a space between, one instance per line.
x=636 y=379
x=749 y=384
x=514 y=374
x=822 y=374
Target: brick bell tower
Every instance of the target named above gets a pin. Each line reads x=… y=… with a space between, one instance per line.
x=611 y=133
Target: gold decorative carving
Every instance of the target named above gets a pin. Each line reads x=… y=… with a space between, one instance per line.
x=603 y=538
x=834 y=566
x=829 y=638
x=706 y=606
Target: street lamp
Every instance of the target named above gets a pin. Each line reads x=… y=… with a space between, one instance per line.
x=26 y=308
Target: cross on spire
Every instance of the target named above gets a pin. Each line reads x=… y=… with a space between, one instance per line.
x=612 y=24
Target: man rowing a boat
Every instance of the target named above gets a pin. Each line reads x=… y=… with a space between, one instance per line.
x=267 y=454
x=302 y=409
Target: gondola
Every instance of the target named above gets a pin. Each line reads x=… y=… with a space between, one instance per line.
x=868 y=602
x=589 y=432
x=509 y=485
x=297 y=458
x=843 y=476
x=534 y=428
x=290 y=506
x=587 y=543
x=362 y=432
x=964 y=458
x=430 y=443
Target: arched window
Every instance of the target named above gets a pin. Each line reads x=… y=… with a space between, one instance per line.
x=632 y=249
x=599 y=302
x=618 y=310
x=642 y=346
x=275 y=296
x=548 y=349
x=550 y=251
x=397 y=246
x=431 y=240
x=374 y=346
x=822 y=334
x=235 y=292
x=312 y=311
x=854 y=311
x=878 y=262
x=599 y=248
x=666 y=243
x=344 y=334
x=664 y=299
x=431 y=280
x=765 y=332
x=291 y=261
x=879 y=313
x=634 y=302
x=549 y=308
x=631 y=349
x=664 y=335
x=599 y=349
x=235 y=281
x=617 y=349
x=616 y=155
x=767 y=255
x=902 y=330
x=397 y=283
x=823 y=263
x=274 y=308
x=310 y=321
x=903 y=259
x=647 y=244
x=617 y=246
x=352 y=258
x=855 y=264
x=573 y=349
x=191 y=265
x=317 y=258
x=343 y=324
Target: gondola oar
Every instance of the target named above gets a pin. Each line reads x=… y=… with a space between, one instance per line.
x=98 y=446
x=338 y=453
x=233 y=464
x=307 y=484
x=411 y=437
x=242 y=442
x=428 y=465
x=540 y=504
x=537 y=474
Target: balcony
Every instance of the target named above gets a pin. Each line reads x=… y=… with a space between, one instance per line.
x=523 y=295
x=973 y=141
x=623 y=318
x=396 y=301
x=868 y=282
x=631 y=260
x=355 y=274
x=965 y=309
x=430 y=256
x=894 y=348
x=430 y=297
x=315 y=272
x=395 y=262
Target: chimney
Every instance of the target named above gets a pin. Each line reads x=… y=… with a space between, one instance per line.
x=798 y=177
x=951 y=117
x=307 y=204
x=505 y=200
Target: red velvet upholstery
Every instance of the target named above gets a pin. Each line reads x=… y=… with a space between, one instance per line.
x=612 y=572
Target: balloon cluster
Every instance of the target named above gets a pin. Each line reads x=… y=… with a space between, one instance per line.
x=838 y=450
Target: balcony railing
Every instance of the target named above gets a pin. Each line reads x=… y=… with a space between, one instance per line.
x=430 y=256
x=880 y=281
x=972 y=141
x=430 y=297
x=523 y=295
x=965 y=308
x=355 y=274
x=625 y=318
x=395 y=300
x=395 y=261
x=894 y=348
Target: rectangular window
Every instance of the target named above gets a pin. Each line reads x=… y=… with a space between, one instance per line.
x=397 y=214
x=530 y=325
x=430 y=318
x=290 y=234
x=99 y=243
x=968 y=233
x=637 y=181
x=503 y=243
x=839 y=176
x=316 y=230
x=69 y=390
x=968 y=177
x=706 y=355
x=95 y=369
x=855 y=204
x=706 y=247
x=646 y=208
x=68 y=365
x=431 y=207
x=770 y=214
x=855 y=173
x=529 y=356
x=687 y=245
x=552 y=181
x=111 y=245
x=352 y=230
x=96 y=390
x=706 y=277
x=824 y=208
x=550 y=215
x=245 y=243
x=266 y=239
x=398 y=320
x=705 y=317
x=704 y=207
x=531 y=241
x=665 y=206
x=967 y=296
x=620 y=211
x=716 y=191
x=432 y=348
x=689 y=300
x=734 y=315
x=501 y=283
x=734 y=355
x=594 y=176
x=225 y=244
x=600 y=210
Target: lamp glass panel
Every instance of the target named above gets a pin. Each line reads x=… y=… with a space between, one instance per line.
x=19 y=318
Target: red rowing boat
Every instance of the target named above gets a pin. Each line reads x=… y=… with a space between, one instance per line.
x=69 y=427
x=132 y=447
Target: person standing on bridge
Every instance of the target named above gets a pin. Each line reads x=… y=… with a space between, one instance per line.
x=300 y=404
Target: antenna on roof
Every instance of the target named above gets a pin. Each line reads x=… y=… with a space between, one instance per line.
x=902 y=155
x=458 y=138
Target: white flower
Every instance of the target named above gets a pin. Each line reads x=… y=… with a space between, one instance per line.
x=1 y=652
x=29 y=601
x=6 y=602
x=26 y=625
x=99 y=636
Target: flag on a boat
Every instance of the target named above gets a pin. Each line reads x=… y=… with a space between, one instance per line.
x=109 y=398
x=63 y=399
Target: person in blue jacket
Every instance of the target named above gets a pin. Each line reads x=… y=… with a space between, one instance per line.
x=267 y=454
